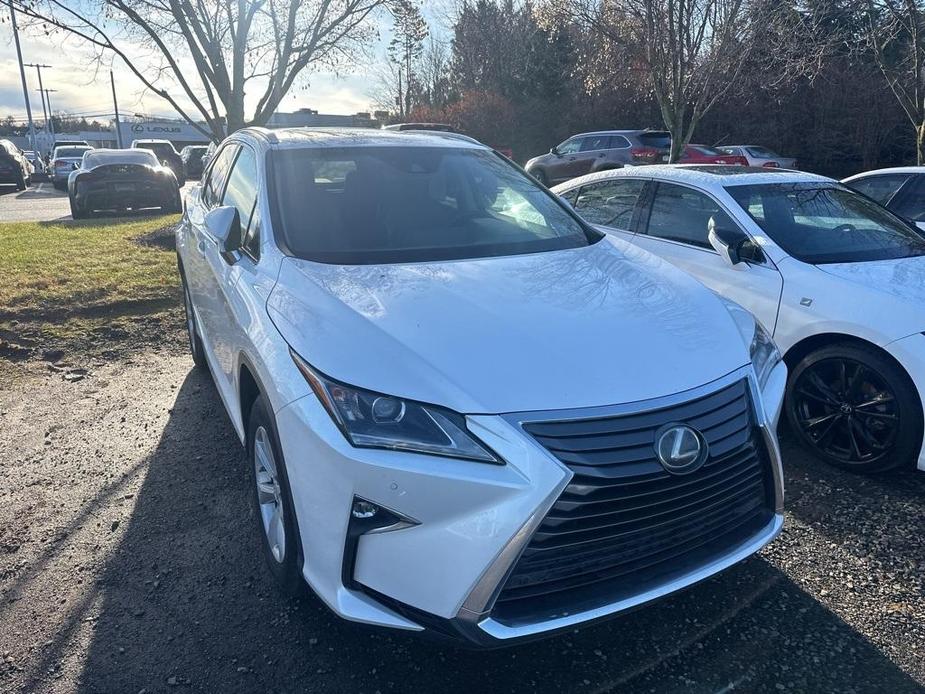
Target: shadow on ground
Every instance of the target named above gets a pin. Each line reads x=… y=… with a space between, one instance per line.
x=186 y=604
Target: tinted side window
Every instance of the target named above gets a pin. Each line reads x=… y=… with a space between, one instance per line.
x=683 y=214
x=241 y=191
x=610 y=203
x=880 y=188
x=619 y=142
x=215 y=182
x=594 y=143
x=570 y=146
x=911 y=204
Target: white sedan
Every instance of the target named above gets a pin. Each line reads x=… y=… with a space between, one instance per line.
x=838 y=280
x=760 y=156
x=900 y=189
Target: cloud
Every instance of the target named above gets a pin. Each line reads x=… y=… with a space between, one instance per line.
x=82 y=90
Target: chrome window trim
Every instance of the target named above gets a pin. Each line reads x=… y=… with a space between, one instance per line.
x=477 y=607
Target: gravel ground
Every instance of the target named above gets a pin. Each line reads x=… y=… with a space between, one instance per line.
x=128 y=563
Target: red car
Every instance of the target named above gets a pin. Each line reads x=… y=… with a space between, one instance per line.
x=701 y=154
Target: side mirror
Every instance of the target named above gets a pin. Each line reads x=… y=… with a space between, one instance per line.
x=224 y=225
x=554 y=150
x=728 y=243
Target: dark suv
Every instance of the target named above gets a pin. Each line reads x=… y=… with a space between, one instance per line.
x=166 y=155
x=591 y=152
x=14 y=167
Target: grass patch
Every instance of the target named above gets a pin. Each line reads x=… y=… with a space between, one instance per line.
x=73 y=281
x=70 y=267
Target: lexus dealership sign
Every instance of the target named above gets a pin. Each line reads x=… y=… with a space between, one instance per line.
x=174 y=131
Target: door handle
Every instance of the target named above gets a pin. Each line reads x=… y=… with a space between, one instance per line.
x=201 y=246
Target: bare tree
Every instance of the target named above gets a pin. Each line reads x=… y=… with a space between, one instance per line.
x=405 y=50
x=692 y=50
x=434 y=67
x=896 y=33
x=208 y=53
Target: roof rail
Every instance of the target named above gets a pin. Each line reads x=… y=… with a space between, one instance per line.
x=443 y=133
x=266 y=133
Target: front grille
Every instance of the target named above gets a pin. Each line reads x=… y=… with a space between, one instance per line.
x=624 y=524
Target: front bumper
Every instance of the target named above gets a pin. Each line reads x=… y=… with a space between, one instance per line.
x=910 y=352
x=474 y=521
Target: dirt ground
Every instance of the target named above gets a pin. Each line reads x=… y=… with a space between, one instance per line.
x=129 y=563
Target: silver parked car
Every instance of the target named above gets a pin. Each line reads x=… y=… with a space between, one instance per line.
x=760 y=156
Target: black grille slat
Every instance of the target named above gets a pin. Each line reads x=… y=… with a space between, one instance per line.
x=616 y=492
x=605 y=425
x=624 y=523
x=690 y=493
x=642 y=561
x=596 y=532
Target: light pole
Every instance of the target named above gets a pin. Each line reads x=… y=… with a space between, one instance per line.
x=41 y=90
x=22 y=76
x=115 y=104
x=51 y=125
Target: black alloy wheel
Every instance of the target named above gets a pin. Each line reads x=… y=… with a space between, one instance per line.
x=854 y=408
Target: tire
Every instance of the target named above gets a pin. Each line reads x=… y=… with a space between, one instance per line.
x=271 y=501
x=21 y=183
x=197 y=351
x=854 y=408
x=175 y=206
x=76 y=211
x=540 y=176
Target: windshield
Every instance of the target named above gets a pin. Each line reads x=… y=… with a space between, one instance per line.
x=656 y=138
x=96 y=158
x=76 y=152
x=368 y=205
x=827 y=223
x=761 y=152
x=161 y=149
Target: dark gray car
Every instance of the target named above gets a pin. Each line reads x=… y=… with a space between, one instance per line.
x=599 y=151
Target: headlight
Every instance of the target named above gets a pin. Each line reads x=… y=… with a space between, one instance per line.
x=764 y=353
x=374 y=420
x=762 y=350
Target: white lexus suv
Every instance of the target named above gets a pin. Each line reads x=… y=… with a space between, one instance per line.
x=464 y=409
x=837 y=279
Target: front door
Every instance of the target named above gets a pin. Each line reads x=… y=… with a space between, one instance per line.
x=674 y=225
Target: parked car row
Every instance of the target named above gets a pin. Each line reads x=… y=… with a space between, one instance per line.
x=567 y=420
x=566 y=427
x=613 y=149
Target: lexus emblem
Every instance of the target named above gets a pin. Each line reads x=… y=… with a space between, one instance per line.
x=680 y=449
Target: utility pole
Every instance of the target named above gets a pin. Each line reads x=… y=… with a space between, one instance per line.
x=22 y=76
x=41 y=90
x=115 y=104
x=51 y=125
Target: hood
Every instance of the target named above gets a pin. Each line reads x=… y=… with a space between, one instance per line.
x=603 y=324
x=903 y=278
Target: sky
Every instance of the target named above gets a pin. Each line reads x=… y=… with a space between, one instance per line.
x=81 y=90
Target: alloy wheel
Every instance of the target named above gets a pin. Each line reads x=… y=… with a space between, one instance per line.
x=847 y=410
x=269 y=494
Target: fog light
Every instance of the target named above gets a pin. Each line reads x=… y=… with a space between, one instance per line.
x=363 y=509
